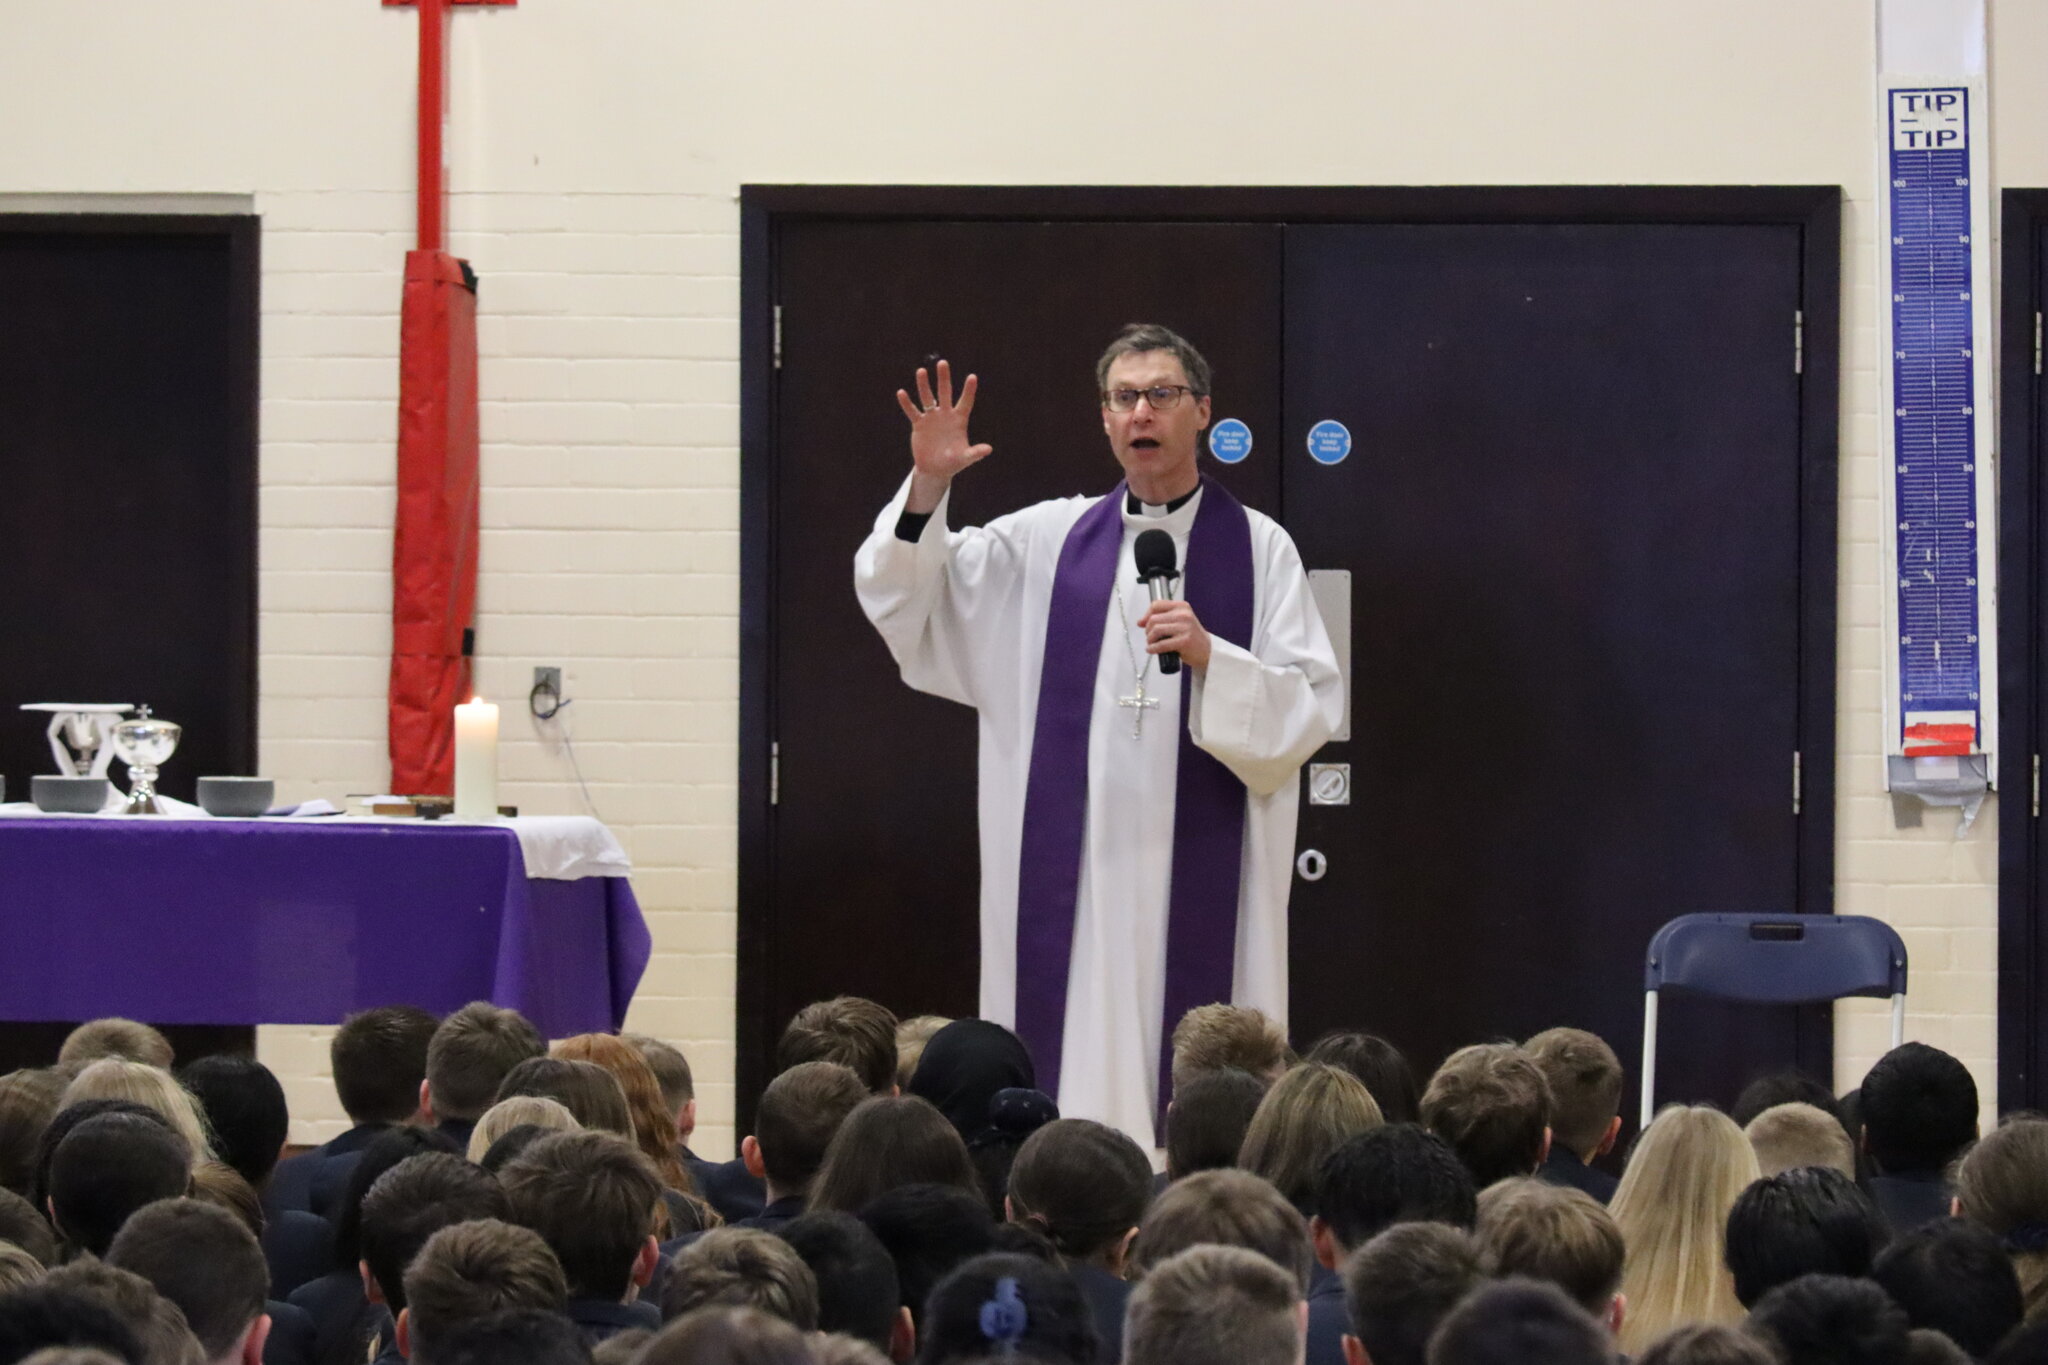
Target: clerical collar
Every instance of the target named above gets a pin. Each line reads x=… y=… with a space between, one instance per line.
x=1153 y=509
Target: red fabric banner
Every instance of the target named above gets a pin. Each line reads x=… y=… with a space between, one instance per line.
x=433 y=561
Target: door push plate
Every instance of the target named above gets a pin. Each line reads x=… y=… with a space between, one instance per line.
x=1329 y=784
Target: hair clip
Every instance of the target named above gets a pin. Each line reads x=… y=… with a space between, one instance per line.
x=1003 y=1318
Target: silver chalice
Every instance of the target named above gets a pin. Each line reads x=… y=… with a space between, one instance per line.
x=144 y=745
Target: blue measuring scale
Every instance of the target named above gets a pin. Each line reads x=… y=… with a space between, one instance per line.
x=1934 y=421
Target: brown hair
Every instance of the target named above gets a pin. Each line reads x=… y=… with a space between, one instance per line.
x=654 y=1123
x=469 y=1269
x=2002 y=1184
x=1214 y=1305
x=1584 y=1077
x=1687 y=1170
x=202 y=1260
x=1150 y=336
x=1788 y=1136
x=670 y=1067
x=727 y=1336
x=115 y=1037
x=911 y=1036
x=595 y=1199
x=1379 y=1064
x=1491 y=1103
x=1232 y=1208
x=1406 y=1280
x=889 y=1141
x=1708 y=1343
x=1554 y=1233
x=799 y=1112
x=1083 y=1184
x=1307 y=1115
x=1213 y=1037
x=469 y=1054
x=28 y=1101
x=18 y=1267
x=23 y=1225
x=158 y=1323
x=379 y=1057
x=226 y=1188
x=855 y=1032
x=742 y=1267
x=585 y=1089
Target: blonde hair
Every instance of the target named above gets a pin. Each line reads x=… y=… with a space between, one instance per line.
x=1308 y=1114
x=911 y=1036
x=1212 y=1037
x=114 y=1078
x=502 y=1117
x=2002 y=1184
x=1672 y=1208
x=1788 y=1136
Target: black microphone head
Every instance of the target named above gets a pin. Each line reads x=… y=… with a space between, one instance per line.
x=1155 y=555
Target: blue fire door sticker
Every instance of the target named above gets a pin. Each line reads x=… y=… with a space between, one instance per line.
x=1329 y=442
x=1230 y=440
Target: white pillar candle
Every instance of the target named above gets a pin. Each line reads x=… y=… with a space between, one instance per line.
x=476 y=760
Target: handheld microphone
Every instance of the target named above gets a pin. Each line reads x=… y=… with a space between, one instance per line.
x=1155 y=557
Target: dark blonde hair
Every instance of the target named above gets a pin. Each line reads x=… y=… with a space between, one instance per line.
x=1555 y=1233
x=1216 y=1037
x=467 y=1270
x=2002 y=1185
x=470 y=1054
x=1491 y=1103
x=1308 y=1114
x=1788 y=1136
x=115 y=1037
x=1214 y=1305
x=742 y=1267
x=1230 y=1208
x=851 y=1030
x=1584 y=1077
x=28 y=1101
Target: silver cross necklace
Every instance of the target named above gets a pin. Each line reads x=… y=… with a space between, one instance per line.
x=1137 y=703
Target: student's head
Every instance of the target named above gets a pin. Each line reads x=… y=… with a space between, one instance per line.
x=112 y=1037
x=60 y=1128
x=158 y=1323
x=1708 y=1343
x=1207 y=1121
x=1084 y=1185
x=384 y=1151
x=223 y=1187
x=1229 y=1208
x=28 y=1101
x=519 y=1336
x=379 y=1058
x=1788 y=1136
x=596 y=1200
x=1954 y=1277
x=653 y=1122
x=1782 y=1087
x=207 y=1263
x=911 y=1036
x=1307 y=1114
x=889 y=1141
x=1832 y=1320
x=40 y=1318
x=964 y=1066
x=244 y=1108
x=520 y=1111
x=585 y=1089
x=742 y=1267
x=1584 y=1077
x=1403 y=1282
x=2002 y=1185
x=1005 y=1305
x=1672 y=1206
x=1919 y=1109
x=794 y=1123
x=856 y=1280
x=1213 y=1037
x=727 y=1336
x=471 y=1270
x=108 y=1167
x=928 y=1229
x=1805 y=1221
x=411 y=1202
x=1396 y=1173
x=18 y=1266
x=1491 y=1103
x=1380 y=1065
x=1520 y=1322
x=1556 y=1234
x=115 y=1079
x=469 y=1054
x=672 y=1073
x=1214 y=1305
x=26 y=1228
x=856 y=1033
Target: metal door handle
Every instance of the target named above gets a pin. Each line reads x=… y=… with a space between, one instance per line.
x=1311 y=865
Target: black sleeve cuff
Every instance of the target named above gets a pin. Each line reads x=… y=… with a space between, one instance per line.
x=910 y=526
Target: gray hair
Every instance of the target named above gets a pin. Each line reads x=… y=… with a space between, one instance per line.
x=1150 y=336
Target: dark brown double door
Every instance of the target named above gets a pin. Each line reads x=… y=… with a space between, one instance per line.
x=1588 y=518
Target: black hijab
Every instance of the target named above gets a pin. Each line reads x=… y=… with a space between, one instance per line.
x=963 y=1067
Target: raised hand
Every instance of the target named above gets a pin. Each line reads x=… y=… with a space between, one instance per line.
x=939 y=447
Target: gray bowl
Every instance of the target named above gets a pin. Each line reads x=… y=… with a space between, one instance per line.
x=242 y=796
x=68 y=795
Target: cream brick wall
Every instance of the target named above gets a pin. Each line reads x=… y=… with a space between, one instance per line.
x=595 y=159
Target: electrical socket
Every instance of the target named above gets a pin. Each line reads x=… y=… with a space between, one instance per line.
x=548 y=680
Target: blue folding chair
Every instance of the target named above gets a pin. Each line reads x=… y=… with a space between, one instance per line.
x=1771 y=959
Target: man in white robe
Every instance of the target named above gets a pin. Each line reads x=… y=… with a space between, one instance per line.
x=966 y=614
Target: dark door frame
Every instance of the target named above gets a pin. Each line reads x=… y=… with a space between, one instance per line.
x=2020 y=639
x=1814 y=209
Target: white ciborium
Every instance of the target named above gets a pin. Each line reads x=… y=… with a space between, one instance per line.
x=82 y=734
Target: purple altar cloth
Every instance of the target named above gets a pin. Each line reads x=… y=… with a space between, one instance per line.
x=302 y=922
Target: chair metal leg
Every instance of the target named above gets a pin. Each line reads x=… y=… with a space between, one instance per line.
x=1649 y=1055
x=1898 y=1020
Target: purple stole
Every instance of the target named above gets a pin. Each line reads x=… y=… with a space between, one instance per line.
x=1209 y=801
